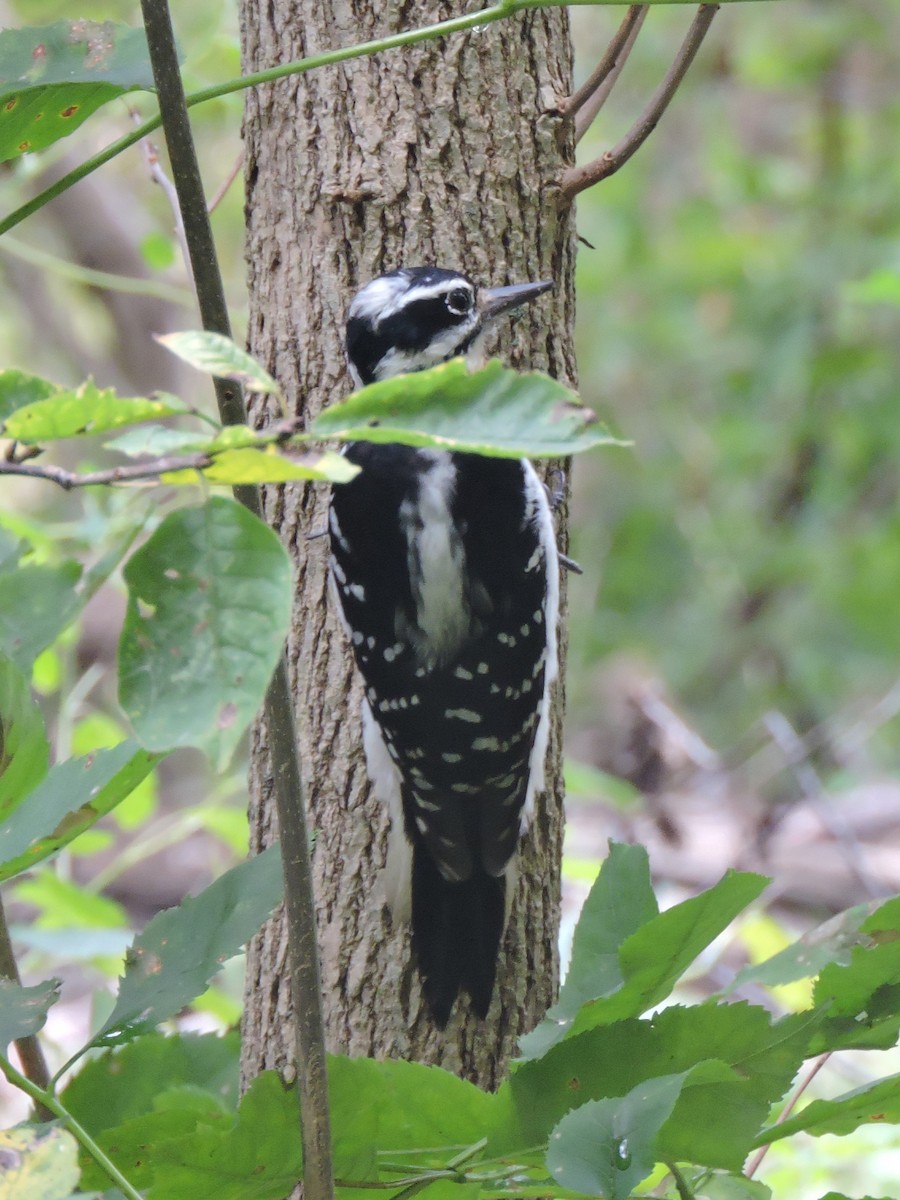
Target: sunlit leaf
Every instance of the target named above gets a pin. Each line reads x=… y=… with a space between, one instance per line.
x=18 y=389
x=37 y=1164
x=876 y=1103
x=87 y=410
x=267 y=464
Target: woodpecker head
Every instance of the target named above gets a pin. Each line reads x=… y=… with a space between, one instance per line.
x=417 y=317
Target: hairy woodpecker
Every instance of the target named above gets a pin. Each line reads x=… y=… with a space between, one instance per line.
x=446 y=572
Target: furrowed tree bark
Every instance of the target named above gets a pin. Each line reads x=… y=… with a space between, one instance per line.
x=447 y=154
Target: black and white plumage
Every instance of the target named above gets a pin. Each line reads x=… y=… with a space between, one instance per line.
x=446 y=571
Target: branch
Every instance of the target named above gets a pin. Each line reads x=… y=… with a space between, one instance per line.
x=31 y=1056
x=578 y=179
x=299 y=900
x=134 y=473
x=592 y=94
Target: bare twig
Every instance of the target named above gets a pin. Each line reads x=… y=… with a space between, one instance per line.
x=159 y=177
x=586 y=101
x=577 y=179
x=31 y=1056
x=754 y=1163
x=796 y=754
x=222 y=189
x=134 y=473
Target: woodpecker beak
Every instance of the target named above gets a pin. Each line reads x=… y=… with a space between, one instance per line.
x=497 y=301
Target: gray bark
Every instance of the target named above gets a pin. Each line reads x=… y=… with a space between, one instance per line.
x=447 y=154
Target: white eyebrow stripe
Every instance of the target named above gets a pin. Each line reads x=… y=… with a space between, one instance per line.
x=384 y=296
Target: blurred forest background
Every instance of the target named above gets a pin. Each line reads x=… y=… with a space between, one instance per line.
x=733 y=683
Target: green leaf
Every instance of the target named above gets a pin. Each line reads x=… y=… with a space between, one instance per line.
x=38 y=1164
x=735 y=1187
x=219 y=355
x=619 y=903
x=122 y=1085
x=401 y=1106
x=24 y=750
x=749 y=1062
x=209 y=602
x=37 y=602
x=862 y=996
x=52 y=78
x=134 y=1145
x=72 y=797
x=626 y=959
x=267 y=464
x=494 y=411
x=607 y=1147
x=87 y=410
x=831 y=942
x=154 y=441
x=18 y=389
x=257 y=1158
x=873 y=1103
x=181 y=949
x=23 y=1010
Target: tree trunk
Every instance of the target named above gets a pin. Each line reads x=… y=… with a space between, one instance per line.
x=443 y=154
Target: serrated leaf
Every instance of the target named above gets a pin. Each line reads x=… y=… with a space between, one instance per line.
x=37 y=1164
x=257 y=1157
x=134 y=1145
x=831 y=942
x=873 y=1103
x=619 y=903
x=72 y=797
x=494 y=411
x=23 y=1010
x=267 y=464
x=209 y=602
x=181 y=949
x=122 y=1085
x=402 y=1106
x=52 y=78
x=37 y=602
x=86 y=410
x=607 y=1147
x=618 y=977
x=862 y=997
x=218 y=355
x=24 y=749
x=18 y=389
x=749 y=1062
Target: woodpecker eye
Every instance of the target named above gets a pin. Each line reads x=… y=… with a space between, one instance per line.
x=459 y=301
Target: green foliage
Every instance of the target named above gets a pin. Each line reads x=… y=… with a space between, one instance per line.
x=71 y=797
x=24 y=750
x=493 y=411
x=209 y=601
x=24 y=1009
x=178 y=953
x=52 y=79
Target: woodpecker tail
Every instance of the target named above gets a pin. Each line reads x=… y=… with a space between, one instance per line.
x=456 y=932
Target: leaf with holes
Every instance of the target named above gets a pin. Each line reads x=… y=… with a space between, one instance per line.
x=54 y=77
x=209 y=602
x=86 y=410
x=494 y=411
